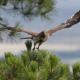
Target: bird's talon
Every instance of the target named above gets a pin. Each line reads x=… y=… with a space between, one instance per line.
x=33 y=49
x=37 y=48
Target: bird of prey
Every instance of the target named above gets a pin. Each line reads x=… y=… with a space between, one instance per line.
x=41 y=37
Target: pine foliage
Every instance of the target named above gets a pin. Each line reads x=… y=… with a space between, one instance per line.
x=36 y=65
x=30 y=7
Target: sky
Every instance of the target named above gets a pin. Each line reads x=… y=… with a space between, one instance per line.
x=68 y=39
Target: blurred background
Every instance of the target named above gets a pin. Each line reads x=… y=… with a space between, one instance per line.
x=65 y=43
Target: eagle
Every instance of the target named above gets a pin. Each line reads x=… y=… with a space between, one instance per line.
x=41 y=37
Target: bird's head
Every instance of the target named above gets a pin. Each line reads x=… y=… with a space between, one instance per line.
x=42 y=34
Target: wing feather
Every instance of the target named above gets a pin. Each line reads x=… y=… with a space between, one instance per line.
x=18 y=30
x=69 y=23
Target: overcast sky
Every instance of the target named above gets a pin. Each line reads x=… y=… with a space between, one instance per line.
x=63 y=10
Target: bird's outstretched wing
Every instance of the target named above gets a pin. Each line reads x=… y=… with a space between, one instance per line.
x=18 y=30
x=69 y=23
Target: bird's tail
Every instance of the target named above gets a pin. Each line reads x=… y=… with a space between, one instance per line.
x=26 y=38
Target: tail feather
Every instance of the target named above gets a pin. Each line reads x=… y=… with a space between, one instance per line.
x=26 y=38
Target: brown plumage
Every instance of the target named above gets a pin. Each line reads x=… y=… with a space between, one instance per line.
x=41 y=37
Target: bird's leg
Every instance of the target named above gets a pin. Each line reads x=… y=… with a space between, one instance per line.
x=39 y=46
x=34 y=46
